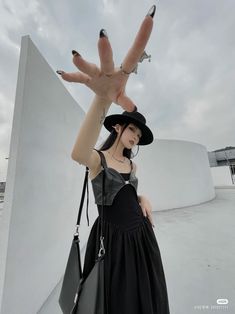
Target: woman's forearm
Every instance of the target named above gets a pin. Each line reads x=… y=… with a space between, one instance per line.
x=90 y=129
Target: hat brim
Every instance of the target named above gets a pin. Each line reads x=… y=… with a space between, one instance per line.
x=147 y=135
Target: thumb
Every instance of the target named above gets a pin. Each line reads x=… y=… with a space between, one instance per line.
x=126 y=103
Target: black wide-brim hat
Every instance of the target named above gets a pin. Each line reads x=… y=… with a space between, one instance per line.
x=134 y=117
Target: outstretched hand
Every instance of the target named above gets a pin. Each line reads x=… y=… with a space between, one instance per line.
x=108 y=81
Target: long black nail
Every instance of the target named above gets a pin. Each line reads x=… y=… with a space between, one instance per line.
x=103 y=33
x=75 y=53
x=59 y=72
x=152 y=10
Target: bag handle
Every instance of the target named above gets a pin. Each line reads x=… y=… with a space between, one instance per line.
x=102 y=248
x=103 y=166
x=85 y=187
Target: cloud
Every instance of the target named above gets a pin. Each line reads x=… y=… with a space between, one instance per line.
x=185 y=92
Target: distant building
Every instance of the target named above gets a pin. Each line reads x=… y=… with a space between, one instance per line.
x=2 y=190
x=223 y=157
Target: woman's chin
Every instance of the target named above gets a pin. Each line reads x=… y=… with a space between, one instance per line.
x=130 y=146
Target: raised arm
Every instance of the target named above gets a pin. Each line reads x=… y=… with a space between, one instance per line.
x=89 y=131
x=108 y=83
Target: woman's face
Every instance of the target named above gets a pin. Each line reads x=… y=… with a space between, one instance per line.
x=131 y=136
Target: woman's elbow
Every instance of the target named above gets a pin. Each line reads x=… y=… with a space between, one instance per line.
x=77 y=158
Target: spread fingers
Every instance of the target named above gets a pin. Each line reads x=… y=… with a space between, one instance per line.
x=105 y=53
x=86 y=67
x=140 y=42
x=74 y=77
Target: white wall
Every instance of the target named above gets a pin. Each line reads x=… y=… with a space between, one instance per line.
x=174 y=174
x=43 y=187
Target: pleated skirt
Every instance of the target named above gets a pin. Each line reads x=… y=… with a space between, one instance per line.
x=134 y=275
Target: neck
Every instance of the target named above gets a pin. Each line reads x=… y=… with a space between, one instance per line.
x=117 y=150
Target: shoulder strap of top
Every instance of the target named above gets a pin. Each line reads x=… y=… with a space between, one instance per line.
x=103 y=161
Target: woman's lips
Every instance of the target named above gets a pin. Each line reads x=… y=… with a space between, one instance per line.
x=132 y=142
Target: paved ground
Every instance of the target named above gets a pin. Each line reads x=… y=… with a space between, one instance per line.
x=197 y=248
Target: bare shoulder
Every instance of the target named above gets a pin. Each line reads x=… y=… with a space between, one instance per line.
x=94 y=164
x=134 y=167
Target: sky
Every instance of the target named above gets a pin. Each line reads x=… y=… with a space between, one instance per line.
x=187 y=90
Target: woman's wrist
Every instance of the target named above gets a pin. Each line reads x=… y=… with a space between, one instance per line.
x=99 y=108
x=102 y=101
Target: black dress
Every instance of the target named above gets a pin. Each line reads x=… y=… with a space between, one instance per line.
x=134 y=276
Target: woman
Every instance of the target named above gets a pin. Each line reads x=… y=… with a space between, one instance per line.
x=134 y=275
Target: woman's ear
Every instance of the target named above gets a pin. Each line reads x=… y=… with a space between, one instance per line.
x=116 y=127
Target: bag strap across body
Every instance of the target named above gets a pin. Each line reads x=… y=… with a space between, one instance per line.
x=84 y=189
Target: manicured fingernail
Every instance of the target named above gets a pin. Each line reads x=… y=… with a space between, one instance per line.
x=75 y=53
x=103 y=33
x=152 y=10
x=59 y=72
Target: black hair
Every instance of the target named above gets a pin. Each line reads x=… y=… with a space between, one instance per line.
x=111 y=139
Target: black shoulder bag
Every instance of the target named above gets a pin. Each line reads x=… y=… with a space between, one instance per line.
x=81 y=295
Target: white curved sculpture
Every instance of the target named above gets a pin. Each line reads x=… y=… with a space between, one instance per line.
x=175 y=174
